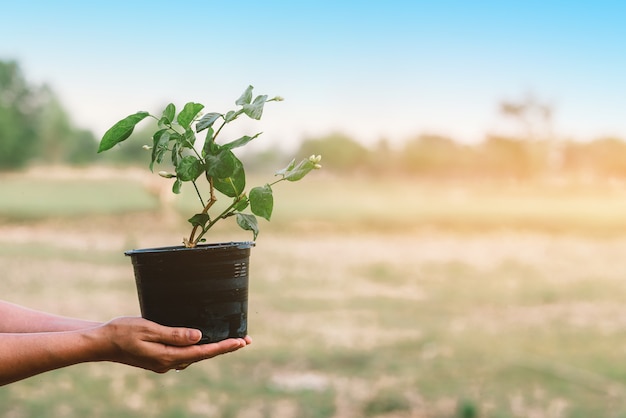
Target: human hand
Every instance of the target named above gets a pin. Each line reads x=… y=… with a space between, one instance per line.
x=148 y=345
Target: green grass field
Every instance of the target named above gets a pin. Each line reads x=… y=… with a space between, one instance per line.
x=383 y=299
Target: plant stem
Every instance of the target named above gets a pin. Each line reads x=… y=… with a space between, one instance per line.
x=193 y=240
x=198 y=192
x=212 y=222
x=219 y=130
x=277 y=181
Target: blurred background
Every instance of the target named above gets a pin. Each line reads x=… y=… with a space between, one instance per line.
x=461 y=254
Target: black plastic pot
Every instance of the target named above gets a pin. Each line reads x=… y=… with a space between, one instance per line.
x=204 y=287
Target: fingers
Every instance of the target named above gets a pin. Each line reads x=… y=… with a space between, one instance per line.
x=148 y=345
x=222 y=347
x=197 y=353
x=170 y=336
x=180 y=337
x=181 y=348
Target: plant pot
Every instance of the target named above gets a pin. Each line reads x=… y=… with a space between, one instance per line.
x=205 y=287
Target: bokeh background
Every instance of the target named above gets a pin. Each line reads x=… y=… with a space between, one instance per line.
x=461 y=254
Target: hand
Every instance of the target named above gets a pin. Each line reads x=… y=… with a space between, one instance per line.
x=145 y=344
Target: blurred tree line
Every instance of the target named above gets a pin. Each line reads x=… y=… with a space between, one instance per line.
x=497 y=157
x=34 y=128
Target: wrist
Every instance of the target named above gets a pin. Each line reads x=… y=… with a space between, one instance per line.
x=99 y=344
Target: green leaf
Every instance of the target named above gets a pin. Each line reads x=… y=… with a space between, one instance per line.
x=289 y=167
x=240 y=142
x=188 y=139
x=168 y=114
x=232 y=115
x=176 y=187
x=160 y=141
x=246 y=97
x=210 y=147
x=199 y=219
x=222 y=165
x=189 y=112
x=248 y=223
x=242 y=204
x=207 y=121
x=262 y=201
x=233 y=185
x=176 y=155
x=189 y=168
x=121 y=131
x=255 y=109
x=299 y=171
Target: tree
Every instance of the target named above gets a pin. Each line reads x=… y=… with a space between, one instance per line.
x=504 y=157
x=535 y=120
x=602 y=158
x=340 y=152
x=55 y=130
x=19 y=105
x=435 y=155
x=35 y=126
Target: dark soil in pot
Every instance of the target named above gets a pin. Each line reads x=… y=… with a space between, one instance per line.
x=204 y=287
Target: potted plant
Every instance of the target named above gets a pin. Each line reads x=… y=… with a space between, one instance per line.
x=204 y=286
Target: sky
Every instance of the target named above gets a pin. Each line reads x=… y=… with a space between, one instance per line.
x=369 y=69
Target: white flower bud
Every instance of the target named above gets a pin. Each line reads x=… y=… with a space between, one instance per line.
x=166 y=175
x=317 y=166
x=147 y=147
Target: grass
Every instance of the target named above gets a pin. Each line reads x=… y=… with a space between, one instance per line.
x=409 y=317
x=27 y=199
x=321 y=202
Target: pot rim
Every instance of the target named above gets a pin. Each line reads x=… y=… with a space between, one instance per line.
x=241 y=245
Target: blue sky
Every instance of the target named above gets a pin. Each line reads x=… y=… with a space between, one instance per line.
x=372 y=70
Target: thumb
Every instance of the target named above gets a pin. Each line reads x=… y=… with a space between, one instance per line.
x=180 y=336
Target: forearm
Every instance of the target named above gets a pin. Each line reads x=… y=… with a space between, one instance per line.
x=132 y=341
x=18 y=319
x=24 y=355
